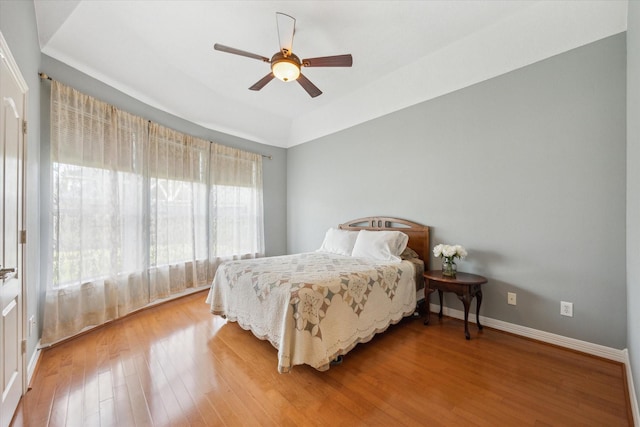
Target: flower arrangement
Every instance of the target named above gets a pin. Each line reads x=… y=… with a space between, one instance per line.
x=449 y=253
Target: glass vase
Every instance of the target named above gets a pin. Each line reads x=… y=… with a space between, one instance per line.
x=449 y=267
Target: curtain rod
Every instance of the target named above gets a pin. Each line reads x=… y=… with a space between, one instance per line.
x=266 y=156
x=45 y=76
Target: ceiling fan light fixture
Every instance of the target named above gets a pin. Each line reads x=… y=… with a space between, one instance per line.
x=285 y=68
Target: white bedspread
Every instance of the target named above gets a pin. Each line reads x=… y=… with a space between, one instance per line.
x=314 y=306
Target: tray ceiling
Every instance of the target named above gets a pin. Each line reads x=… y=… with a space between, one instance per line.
x=404 y=52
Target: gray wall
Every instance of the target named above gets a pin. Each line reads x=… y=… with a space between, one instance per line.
x=18 y=26
x=526 y=170
x=633 y=191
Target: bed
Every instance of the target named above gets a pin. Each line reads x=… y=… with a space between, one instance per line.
x=315 y=307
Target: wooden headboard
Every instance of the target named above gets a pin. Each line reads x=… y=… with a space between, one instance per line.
x=418 y=234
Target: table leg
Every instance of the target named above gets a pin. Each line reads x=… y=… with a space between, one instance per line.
x=478 y=302
x=466 y=300
x=427 y=297
x=440 y=295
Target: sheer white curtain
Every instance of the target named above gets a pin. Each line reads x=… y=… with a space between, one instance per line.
x=236 y=228
x=135 y=211
x=97 y=186
x=178 y=247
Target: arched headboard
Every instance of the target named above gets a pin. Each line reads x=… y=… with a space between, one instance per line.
x=418 y=234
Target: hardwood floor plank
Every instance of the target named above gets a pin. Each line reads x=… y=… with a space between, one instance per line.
x=91 y=402
x=123 y=409
x=177 y=365
x=108 y=414
x=105 y=386
x=154 y=404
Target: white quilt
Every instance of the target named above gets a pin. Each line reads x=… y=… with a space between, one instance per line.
x=314 y=306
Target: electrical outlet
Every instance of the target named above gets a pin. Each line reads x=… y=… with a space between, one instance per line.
x=566 y=308
x=511 y=298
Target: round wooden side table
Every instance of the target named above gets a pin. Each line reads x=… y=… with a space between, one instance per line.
x=464 y=285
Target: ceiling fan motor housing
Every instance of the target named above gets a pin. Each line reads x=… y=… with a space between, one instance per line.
x=285 y=67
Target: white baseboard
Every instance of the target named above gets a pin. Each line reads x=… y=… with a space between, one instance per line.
x=632 y=390
x=616 y=355
x=33 y=362
x=559 y=340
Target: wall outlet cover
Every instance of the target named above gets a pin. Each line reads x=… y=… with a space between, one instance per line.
x=566 y=308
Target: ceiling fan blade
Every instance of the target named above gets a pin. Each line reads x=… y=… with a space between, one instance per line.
x=223 y=48
x=311 y=89
x=262 y=82
x=286 y=28
x=329 y=61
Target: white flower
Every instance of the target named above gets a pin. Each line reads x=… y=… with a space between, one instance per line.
x=437 y=251
x=460 y=251
x=449 y=251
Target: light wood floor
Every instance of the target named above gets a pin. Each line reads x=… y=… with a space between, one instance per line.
x=178 y=365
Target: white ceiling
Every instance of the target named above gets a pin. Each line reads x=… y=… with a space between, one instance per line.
x=404 y=52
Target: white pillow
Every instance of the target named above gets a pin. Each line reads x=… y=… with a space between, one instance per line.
x=338 y=241
x=380 y=245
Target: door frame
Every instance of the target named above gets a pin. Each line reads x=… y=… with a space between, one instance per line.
x=22 y=218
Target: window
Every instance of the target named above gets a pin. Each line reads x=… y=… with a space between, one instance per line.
x=139 y=212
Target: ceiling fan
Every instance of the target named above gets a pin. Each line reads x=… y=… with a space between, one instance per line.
x=285 y=65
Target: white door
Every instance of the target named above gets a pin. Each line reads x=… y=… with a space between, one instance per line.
x=12 y=99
